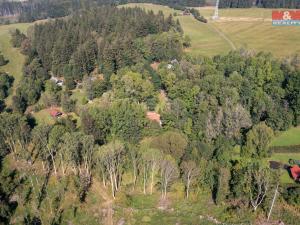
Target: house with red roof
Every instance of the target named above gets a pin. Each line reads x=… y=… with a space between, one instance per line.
x=55 y=113
x=154 y=116
x=295 y=172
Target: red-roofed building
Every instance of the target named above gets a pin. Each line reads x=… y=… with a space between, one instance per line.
x=153 y=116
x=55 y=113
x=295 y=172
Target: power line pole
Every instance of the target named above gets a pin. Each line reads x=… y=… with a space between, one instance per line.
x=216 y=15
x=273 y=201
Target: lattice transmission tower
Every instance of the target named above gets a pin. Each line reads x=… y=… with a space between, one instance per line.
x=216 y=14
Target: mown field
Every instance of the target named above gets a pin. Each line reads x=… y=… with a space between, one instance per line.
x=244 y=28
x=237 y=12
x=16 y=59
x=287 y=138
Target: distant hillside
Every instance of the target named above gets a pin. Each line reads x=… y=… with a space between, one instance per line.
x=31 y=10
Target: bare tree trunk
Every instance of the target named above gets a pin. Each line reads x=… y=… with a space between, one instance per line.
x=62 y=166
x=145 y=179
x=53 y=163
x=115 y=180
x=273 y=201
x=188 y=188
x=43 y=165
x=134 y=176
x=165 y=189
x=152 y=181
x=103 y=178
x=112 y=185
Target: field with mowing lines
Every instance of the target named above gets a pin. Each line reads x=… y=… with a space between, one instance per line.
x=16 y=59
x=238 y=12
x=244 y=28
x=287 y=138
x=262 y=36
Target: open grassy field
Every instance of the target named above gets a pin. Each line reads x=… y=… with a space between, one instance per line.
x=287 y=138
x=16 y=59
x=249 y=28
x=237 y=12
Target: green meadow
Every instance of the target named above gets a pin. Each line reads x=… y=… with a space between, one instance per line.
x=287 y=138
x=16 y=59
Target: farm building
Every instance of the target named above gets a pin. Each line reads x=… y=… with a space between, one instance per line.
x=295 y=172
x=55 y=113
x=57 y=81
x=153 y=116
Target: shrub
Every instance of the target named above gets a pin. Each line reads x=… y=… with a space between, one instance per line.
x=292 y=195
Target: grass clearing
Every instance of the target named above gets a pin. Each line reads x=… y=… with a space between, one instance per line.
x=284 y=157
x=43 y=117
x=287 y=138
x=16 y=59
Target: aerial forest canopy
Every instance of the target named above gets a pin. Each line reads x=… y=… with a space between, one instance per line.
x=102 y=40
x=109 y=37
x=112 y=116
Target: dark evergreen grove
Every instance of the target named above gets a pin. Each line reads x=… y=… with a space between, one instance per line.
x=107 y=37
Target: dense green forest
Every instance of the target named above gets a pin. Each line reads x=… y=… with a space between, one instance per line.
x=217 y=119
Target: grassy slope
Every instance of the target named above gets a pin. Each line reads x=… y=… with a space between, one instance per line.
x=231 y=12
x=262 y=36
x=256 y=35
x=289 y=137
x=16 y=59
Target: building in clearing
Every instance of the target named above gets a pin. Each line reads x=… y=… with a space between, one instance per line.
x=153 y=116
x=55 y=113
x=295 y=172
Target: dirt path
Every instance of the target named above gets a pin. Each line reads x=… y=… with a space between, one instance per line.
x=98 y=188
x=222 y=35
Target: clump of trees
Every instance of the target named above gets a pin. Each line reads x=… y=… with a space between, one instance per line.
x=17 y=37
x=3 y=61
x=6 y=82
x=197 y=15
